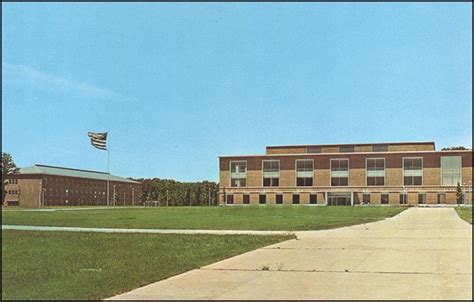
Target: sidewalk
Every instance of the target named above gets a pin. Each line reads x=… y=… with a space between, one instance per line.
x=422 y=253
x=148 y=231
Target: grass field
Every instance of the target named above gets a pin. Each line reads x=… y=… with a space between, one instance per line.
x=291 y=218
x=465 y=213
x=62 y=265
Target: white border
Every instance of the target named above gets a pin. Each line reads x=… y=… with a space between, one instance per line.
x=384 y=170
x=296 y=172
x=422 y=171
x=230 y=171
x=279 y=169
x=348 y=171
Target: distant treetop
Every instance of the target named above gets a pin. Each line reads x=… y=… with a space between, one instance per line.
x=455 y=148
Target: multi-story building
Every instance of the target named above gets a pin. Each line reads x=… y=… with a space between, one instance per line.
x=41 y=185
x=347 y=174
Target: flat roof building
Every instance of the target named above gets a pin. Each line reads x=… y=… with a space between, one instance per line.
x=42 y=185
x=347 y=174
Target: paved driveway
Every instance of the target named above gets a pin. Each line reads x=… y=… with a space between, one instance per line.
x=422 y=253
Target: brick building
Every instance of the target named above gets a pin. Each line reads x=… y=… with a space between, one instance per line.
x=42 y=185
x=343 y=174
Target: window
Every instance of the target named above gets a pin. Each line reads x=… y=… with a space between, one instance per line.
x=412 y=171
x=403 y=198
x=279 y=199
x=441 y=198
x=271 y=173
x=262 y=199
x=313 y=199
x=346 y=148
x=421 y=198
x=271 y=182
x=450 y=170
x=375 y=169
x=238 y=173
x=230 y=199
x=246 y=199
x=384 y=199
x=313 y=149
x=339 y=172
x=366 y=198
x=296 y=198
x=379 y=148
x=304 y=172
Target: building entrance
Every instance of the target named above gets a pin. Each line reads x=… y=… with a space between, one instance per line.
x=339 y=199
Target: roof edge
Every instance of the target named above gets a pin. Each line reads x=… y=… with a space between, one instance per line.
x=354 y=144
x=346 y=153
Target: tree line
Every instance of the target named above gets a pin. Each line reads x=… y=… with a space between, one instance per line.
x=174 y=193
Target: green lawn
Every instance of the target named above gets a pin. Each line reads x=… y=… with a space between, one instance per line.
x=289 y=218
x=465 y=213
x=62 y=265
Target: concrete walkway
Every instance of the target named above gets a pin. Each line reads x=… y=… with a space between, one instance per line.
x=422 y=253
x=147 y=231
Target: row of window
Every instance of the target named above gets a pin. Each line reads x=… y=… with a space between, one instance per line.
x=13 y=192
x=313 y=198
x=13 y=181
x=403 y=198
x=375 y=172
x=347 y=148
x=262 y=199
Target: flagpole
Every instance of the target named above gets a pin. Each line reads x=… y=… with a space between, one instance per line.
x=108 y=168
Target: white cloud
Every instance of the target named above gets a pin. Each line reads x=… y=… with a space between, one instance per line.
x=47 y=80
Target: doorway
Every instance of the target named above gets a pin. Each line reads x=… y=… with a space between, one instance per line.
x=339 y=199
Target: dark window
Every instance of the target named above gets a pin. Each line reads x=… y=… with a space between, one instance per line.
x=230 y=199
x=304 y=181
x=246 y=199
x=412 y=180
x=313 y=149
x=296 y=198
x=384 y=199
x=271 y=182
x=441 y=198
x=403 y=198
x=339 y=181
x=313 y=198
x=412 y=163
x=271 y=166
x=366 y=198
x=279 y=199
x=346 y=148
x=375 y=181
x=375 y=164
x=421 y=198
x=380 y=148
x=262 y=198
x=304 y=165
x=339 y=165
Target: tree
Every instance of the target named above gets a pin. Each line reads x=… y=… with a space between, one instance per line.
x=179 y=193
x=459 y=195
x=454 y=148
x=8 y=168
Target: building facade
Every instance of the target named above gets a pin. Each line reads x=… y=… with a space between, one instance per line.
x=42 y=185
x=378 y=173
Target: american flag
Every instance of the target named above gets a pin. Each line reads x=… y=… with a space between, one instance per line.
x=98 y=140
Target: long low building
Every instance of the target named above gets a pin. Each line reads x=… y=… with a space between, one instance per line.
x=42 y=185
x=347 y=174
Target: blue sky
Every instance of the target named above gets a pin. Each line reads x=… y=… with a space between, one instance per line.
x=178 y=84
